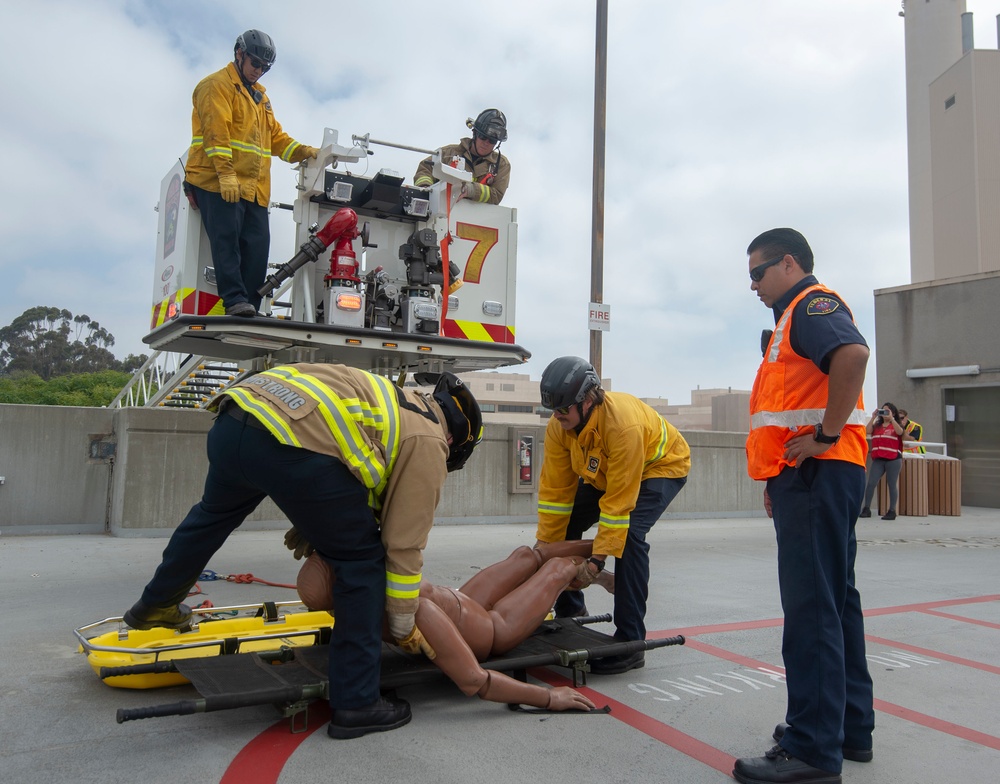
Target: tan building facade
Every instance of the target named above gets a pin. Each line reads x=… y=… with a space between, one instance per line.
x=936 y=337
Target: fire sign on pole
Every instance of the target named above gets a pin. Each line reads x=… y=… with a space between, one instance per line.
x=600 y=317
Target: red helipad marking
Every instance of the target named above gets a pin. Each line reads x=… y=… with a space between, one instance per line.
x=262 y=759
x=962 y=618
x=692 y=747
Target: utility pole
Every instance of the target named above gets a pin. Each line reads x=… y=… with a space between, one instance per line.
x=600 y=133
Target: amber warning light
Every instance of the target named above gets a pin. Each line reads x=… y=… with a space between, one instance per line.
x=347 y=301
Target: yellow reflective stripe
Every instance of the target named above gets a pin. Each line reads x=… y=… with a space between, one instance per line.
x=661 y=447
x=343 y=427
x=247 y=147
x=227 y=151
x=402 y=586
x=264 y=414
x=614 y=521
x=387 y=424
x=484 y=194
x=424 y=180
x=553 y=508
x=287 y=154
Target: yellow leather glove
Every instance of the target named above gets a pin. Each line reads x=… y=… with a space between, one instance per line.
x=309 y=152
x=415 y=643
x=229 y=187
x=295 y=542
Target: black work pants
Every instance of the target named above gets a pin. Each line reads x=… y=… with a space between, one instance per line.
x=327 y=504
x=632 y=567
x=240 y=236
x=815 y=509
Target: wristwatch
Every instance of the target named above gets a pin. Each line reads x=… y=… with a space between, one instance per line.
x=824 y=439
x=598 y=563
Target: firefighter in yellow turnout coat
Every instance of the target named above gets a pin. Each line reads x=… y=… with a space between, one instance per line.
x=490 y=170
x=357 y=465
x=609 y=459
x=234 y=134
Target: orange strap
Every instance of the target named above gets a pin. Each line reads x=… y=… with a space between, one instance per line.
x=445 y=263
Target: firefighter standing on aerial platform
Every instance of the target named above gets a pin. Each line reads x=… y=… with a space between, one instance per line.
x=228 y=171
x=357 y=466
x=490 y=170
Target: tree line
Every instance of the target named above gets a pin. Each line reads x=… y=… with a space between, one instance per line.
x=48 y=356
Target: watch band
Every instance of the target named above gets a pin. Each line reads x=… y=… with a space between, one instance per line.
x=822 y=438
x=598 y=563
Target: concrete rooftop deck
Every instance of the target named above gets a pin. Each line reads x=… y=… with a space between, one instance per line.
x=930 y=587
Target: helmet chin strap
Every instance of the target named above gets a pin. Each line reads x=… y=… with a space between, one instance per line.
x=255 y=94
x=584 y=418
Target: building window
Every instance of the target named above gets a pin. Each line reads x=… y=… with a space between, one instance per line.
x=506 y=387
x=487 y=408
x=490 y=386
x=949 y=102
x=511 y=409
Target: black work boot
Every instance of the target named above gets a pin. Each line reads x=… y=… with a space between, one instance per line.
x=382 y=715
x=854 y=755
x=142 y=616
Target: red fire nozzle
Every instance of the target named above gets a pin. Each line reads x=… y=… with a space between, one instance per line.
x=342 y=228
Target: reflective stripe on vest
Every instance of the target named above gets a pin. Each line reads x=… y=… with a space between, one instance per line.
x=344 y=416
x=770 y=427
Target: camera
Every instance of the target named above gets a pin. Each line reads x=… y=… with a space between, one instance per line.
x=883 y=412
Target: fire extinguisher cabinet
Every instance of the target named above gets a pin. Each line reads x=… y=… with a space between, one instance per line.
x=525 y=458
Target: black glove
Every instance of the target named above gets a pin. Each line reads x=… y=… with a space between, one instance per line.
x=297 y=543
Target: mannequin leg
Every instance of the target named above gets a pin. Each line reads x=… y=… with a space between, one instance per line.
x=518 y=614
x=497 y=580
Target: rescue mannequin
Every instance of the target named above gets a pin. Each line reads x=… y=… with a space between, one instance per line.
x=488 y=616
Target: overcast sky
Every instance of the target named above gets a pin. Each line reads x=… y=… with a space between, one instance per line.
x=724 y=118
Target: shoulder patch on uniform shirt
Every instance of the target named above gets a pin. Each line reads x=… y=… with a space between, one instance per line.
x=821 y=306
x=593 y=464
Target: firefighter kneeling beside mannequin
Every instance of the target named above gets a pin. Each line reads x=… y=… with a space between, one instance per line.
x=357 y=465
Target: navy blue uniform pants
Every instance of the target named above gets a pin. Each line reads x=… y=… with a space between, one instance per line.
x=240 y=237
x=632 y=567
x=815 y=508
x=327 y=504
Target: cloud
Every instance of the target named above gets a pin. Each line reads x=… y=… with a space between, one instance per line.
x=724 y=118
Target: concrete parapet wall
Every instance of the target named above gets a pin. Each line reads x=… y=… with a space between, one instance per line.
x=137 y=471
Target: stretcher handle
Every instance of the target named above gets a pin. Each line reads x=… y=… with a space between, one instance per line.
x=154 y=668
x=182 y=708
x=277 y=696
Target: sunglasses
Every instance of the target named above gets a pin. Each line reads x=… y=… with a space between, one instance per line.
x=757 y=273
x=562 y=410
x=259 y=64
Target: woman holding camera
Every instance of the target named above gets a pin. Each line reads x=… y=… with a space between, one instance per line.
x=886 y=434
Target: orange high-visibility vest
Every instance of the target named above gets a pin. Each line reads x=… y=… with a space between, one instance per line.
x=789 y=398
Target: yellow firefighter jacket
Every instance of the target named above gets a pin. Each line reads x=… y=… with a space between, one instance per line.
x=623 y=442
x=484 y=193
x=398 y=453
x=232 y=134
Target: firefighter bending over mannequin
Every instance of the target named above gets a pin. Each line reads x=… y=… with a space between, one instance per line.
x=355 y=463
